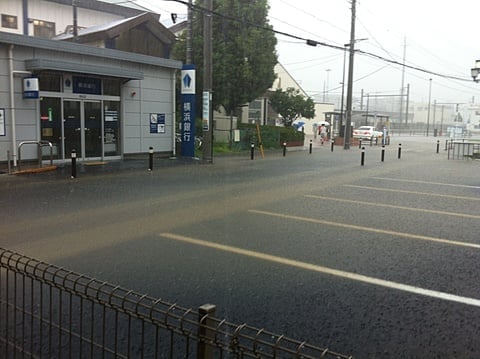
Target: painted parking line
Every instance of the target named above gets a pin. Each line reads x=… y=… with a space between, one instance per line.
x=426 y=182
x=325 y=270
x=413 y=192
x=367 y=229
x=378 y=204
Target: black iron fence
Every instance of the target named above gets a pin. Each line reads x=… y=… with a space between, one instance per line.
x=50 y=312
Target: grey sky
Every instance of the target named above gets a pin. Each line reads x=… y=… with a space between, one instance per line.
x=440 y=36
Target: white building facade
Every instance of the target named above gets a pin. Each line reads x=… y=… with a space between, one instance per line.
x=101 y=102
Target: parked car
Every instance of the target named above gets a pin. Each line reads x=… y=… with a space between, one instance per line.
x=367 y=133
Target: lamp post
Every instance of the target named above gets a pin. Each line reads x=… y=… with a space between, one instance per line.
x=476 y=71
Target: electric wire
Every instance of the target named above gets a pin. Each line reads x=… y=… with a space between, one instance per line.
x=324 y=44
x=313 y=42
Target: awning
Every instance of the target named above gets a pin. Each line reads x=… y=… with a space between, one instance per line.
x=75 y=67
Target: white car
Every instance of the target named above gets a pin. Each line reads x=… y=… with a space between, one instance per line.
x=367 y=133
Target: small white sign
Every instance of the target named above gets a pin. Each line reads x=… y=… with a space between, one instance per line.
x=30 y=87
x=2 y=122
x=188 y=82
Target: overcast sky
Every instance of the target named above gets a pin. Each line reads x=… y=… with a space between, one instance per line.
x=440 y=36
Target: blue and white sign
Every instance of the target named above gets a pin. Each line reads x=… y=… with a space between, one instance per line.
x=157 y=123
x=30 y=87
x=188 y=80
x=188 y=111
x=87 y=85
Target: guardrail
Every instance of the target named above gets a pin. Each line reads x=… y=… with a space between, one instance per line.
x=50 y=312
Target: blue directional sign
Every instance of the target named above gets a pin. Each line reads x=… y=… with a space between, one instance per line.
x=188 y=111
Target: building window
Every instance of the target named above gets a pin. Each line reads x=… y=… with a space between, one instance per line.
x=49 y=82
x=111 y=87
x=9 y=21
x=44 y=29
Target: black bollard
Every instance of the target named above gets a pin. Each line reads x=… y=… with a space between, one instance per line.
x=399 y=150
x=310 y=148
x=252 y=151
x=362 y=162
x=359 y=143
x=383 y=153
x=284 y=149
x=74 y=163
x=150 y=158
x=446 y=145
x=438 y=146
x=333 y=145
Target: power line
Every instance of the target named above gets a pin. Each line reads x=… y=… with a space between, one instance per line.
x=312 y=42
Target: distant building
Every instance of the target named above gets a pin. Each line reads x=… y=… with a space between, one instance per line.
x=260 y=109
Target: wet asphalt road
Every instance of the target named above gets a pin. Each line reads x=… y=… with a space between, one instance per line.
x=376 y=261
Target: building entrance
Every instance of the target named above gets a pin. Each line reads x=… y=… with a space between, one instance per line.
x=90 y=127
x=82 y=122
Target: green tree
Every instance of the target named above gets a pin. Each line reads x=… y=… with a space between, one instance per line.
x=290 y=104
x=244 y=53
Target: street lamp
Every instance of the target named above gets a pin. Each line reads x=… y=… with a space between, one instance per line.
x=476 y=71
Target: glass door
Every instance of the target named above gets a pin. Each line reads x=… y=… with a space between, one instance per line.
x=72 y=127
x=92 y=113
x=82 y=123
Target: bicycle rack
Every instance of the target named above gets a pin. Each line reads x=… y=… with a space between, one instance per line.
x=39 y=144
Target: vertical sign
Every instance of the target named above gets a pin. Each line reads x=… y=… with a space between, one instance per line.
x=188 y=111
x=206 y=111
x=2 y=122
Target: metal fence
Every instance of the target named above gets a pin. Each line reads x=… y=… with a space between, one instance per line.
x=50 y=312
x=463 y=148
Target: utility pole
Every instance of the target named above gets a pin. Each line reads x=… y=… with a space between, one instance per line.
x=403 y=79
x=348 y=125
x=189 y=33
x=75 y=21
x=408 y=103
x=429 y=105
x=342 y=110
x=207 y=83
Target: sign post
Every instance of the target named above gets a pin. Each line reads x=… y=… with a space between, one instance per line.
x=188 y=111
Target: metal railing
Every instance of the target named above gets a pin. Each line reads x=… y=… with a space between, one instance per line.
x=462 y=148
x=40 y=145
x=49 y=312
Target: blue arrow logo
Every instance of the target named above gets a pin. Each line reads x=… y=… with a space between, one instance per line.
x=187 y=81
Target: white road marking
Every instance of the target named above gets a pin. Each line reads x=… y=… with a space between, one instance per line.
x=325 y=270
x=377 y=204
x=426 y=182
x=413 y=192
x=368 y=229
